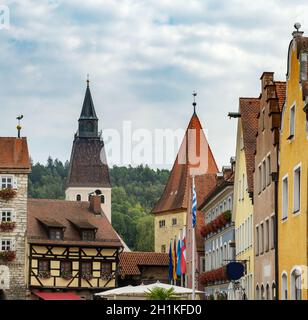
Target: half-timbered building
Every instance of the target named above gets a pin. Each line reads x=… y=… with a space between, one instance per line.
x=72 y=247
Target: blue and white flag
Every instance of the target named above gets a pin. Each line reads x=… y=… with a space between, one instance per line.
x=194 y=205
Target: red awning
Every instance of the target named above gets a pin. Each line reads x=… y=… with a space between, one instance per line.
x=57 y=295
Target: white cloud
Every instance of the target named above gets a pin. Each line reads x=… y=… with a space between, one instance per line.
x=144 y=59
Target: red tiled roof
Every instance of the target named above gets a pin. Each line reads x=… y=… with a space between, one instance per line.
x=14 y=154
x=281 y=93
x=129 y=262
x=194 y=158
x=249 y=109
x=219 y=186
x=63 y=211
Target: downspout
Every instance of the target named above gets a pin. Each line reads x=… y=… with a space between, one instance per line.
x=275 y=176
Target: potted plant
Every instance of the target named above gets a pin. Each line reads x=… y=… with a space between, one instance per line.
x=6 y=226
x=7 y=194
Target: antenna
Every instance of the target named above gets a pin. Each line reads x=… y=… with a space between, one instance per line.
x=194 y=103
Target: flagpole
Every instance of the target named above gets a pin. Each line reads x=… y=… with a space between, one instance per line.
x=193 y=264
x=193 y=254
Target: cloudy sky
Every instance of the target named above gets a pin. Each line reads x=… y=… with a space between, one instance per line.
x=144 y=59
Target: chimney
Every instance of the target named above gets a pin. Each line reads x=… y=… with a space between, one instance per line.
x=227 y=171
x=232 y=162
x=95 y=204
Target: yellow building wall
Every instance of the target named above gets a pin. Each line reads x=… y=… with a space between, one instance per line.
x=292 y=232
x=164 y=235
x=242 y=210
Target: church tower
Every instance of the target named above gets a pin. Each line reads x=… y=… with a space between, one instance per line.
x=88 y=171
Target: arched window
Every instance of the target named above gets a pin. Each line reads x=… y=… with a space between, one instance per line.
x=257 y=292
x=102 y=198
x=284 y=287
x=267 y=291
x=274 y=291
x=262 y=292
x=78 y=197
x=296 y=286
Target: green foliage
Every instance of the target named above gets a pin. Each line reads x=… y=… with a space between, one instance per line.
x=134 y=193
x=158 y=293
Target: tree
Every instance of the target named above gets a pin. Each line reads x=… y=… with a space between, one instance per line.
x=158 y=293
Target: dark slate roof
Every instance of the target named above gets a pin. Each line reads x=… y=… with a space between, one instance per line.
x=86 y=168
x=88 y=110
x=175 y=194
x=63 y=212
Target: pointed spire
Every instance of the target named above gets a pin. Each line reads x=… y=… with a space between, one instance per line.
x=194 y=103
x=88 y=121
x=88 y=110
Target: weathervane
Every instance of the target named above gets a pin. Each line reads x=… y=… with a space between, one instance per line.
x=19 y=126
x=88 y=81
x=194 y=103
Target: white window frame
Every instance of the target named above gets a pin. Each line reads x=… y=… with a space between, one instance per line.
x=11 y=247
x=285 y=198
x=6 y=177
x=296 y=210
x=6 y=210
x=292 y=132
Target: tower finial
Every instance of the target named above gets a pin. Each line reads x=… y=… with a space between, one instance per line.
x=194 y=103
x=88 y=81
x=18 y=127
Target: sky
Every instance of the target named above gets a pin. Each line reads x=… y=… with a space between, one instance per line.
x=144 y=60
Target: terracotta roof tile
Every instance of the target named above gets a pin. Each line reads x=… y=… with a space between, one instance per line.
x=14 y=154
x=281 y=93
x=129 y=262
x=249 y=109
x=194 y=158
x=63 y=211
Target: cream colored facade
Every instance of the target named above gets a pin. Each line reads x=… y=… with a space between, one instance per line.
x=164 y=234
x=72 y=192
x=242 y=211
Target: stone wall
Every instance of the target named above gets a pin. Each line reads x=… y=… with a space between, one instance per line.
x=17 y=268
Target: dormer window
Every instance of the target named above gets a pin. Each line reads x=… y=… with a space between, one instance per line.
x=88 y=235
x=55 y=234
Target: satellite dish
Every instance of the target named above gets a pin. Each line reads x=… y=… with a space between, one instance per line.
x=235 y=270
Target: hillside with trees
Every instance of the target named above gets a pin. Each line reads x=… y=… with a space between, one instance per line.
x=134 y=193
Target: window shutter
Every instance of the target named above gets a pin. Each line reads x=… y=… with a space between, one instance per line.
x=14 y=183
x=13 y=244
x=14 y=216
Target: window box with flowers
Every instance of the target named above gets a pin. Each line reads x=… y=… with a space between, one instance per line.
x=222 y=221
x=67 y=275
x=210 y=277
x=87 y=276
x=44 y=274
x=7 y=194
x=7 y=255
x=6 y=226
